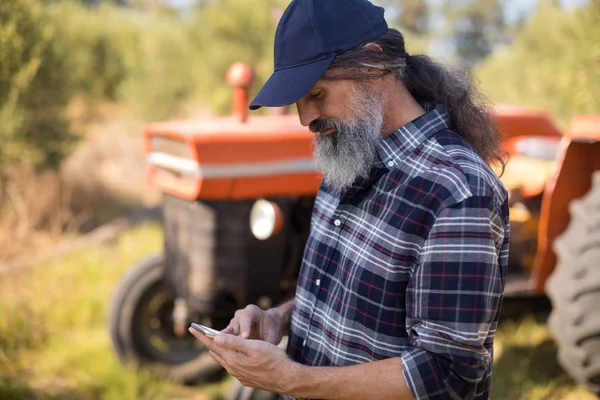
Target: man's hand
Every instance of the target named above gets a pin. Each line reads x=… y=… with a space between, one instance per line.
x=254 y=363
x=253 y=322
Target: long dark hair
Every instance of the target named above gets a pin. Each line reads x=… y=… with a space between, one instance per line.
x=428 y=81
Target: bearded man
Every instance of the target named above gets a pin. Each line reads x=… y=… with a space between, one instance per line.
x=402 y=279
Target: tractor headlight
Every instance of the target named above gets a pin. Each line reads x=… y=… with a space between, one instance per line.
x=266 y=219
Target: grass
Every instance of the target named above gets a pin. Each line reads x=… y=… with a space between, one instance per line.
x=525 y=366
x=54 y=343
x=53 y=338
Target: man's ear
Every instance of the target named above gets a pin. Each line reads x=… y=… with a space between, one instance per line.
x=373 y=47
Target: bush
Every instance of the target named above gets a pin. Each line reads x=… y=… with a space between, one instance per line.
x=227 y=31
x=35 y=88
x=139 y=59
x=552 y=65
x=99 y=46
x=160 y=79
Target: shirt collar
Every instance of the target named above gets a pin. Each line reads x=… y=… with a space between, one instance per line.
x=407 y=138
x=402 y=142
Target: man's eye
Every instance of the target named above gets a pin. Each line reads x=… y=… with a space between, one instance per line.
x=317 y=95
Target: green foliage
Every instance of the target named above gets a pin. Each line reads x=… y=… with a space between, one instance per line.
x=141 y=59
x=475 y=27
x=554 y=64
x=466 y=30
x=525 y=364
x=415 y=16
x=34 y=87
x=53 y=338
x=409 y=15
x=227 y=31
x=60 y=331
x=154 y=62
x=97 y=46
x=160 y=79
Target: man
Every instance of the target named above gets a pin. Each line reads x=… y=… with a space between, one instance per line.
x=403 y=273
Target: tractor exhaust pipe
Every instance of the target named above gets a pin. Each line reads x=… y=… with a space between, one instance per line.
x=240 y=76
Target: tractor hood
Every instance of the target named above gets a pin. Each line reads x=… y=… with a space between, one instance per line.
x=225 y=158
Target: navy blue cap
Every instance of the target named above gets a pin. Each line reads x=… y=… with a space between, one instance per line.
x=309 y=36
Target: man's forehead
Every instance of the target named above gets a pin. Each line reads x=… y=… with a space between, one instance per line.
x=331 y=77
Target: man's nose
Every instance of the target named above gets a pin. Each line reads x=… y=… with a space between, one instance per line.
x=307 y=113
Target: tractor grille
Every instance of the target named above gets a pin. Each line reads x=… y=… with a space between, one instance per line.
x=211 y=255
x=172 y=157
x=170 y=146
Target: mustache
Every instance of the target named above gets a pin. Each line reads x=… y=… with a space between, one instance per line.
x=320 y=125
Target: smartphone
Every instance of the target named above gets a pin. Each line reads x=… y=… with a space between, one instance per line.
x=210 y=332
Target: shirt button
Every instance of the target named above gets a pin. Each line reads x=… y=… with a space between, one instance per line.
x=337 y=222
x=391 y=164
x=318 y=282
x=304 y=343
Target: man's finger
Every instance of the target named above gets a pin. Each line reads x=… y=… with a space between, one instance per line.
x=234 y=343
x=208 y=342
x=246 y=323
x=218 y=358
x=230 y=330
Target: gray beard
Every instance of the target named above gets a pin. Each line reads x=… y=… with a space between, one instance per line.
x=348 y=154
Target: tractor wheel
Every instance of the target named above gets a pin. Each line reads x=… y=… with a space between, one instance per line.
x=574 y=290
x=141 y=328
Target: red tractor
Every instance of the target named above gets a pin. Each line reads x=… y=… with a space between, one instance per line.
x=238 y=196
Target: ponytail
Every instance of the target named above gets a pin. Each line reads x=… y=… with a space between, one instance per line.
x=428 y=81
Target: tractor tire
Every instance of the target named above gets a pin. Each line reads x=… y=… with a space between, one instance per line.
x=574 y=291
x=141 y=329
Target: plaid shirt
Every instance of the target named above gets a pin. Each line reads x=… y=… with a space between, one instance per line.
x=408 y=263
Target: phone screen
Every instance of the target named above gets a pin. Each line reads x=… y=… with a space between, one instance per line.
x=205 y=329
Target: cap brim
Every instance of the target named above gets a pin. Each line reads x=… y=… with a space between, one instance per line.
x=287 y=86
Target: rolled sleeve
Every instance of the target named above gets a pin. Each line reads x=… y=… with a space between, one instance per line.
x=453 y=301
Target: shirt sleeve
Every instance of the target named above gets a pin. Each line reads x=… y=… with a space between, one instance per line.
x=453 y=300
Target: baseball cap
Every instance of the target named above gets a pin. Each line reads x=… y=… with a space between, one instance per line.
x=309 y=35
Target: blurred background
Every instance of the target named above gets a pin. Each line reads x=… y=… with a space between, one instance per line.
x=79 y=79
